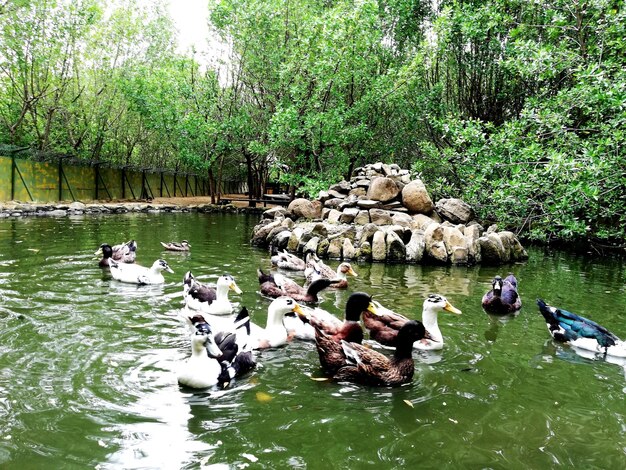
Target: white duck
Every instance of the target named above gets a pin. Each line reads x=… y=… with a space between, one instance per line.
x=135 y=274
x=384 y=326
x=208 y=299
x=275 y=333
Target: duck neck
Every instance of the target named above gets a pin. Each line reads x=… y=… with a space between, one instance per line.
x=429 y=319
x=221 y=293
x=340 y=274
x=403 y=351
x=274 y=320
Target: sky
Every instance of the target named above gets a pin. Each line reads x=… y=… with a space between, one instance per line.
x=190 y=17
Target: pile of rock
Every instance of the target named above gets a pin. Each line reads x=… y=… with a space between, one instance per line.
x=382 y=214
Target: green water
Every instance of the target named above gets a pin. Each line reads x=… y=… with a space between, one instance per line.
x=87 y=365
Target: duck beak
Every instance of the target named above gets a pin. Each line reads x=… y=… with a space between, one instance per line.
x=99 y=252
x=297 y=309
x=352 y=273
x=233 y=286
x=169 y=270
x=451 y=309
x=372 y=309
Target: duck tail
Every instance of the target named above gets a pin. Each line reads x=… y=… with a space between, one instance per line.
x=242 y=320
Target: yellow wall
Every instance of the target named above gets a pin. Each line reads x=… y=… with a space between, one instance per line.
x=41 y=180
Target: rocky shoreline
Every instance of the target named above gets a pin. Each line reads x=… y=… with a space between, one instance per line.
x=383 y=214
x=20 y=209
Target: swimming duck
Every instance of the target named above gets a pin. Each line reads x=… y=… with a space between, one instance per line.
x=135 y=274
x=503 y=297
x=580 y=332
x=124 y=252
x=340 y=276
x=277 y=285
x=286 y=260
x=208 y=299
x=176 y=246
x=213 y=355
x=366 y=366
x=385 y=326
x=274 y=334
x=335 y=331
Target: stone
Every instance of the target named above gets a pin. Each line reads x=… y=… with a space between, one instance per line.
x=404 y=220
x=416 y=199
x=274 y=212
x=341 y=187
x=368 y=204
x=491 y=248
x=323 y=196
x=459 y=256
x=333 y=203
x=362 y=218
x=348 y=215
x=364 y=252
x=396 y=251
x=349 y=201
x=322 y=247
x=455 y=210
x=358 y=192
x=336 y=194
x=260 y=235
x=311 y=245
x=453 y=238
x=287 y=223
x=334 y=248
x=379 y=247
x=435 y=246
x=382 y=189
x=294 y=239
x=380 y=217
x=363 y=183
x=77 y=206
x=304 y=239
x=348 y=249
x=333 y=216
x=421 y=221
x=320 y=230
x=302 y=207
x=415 y=247
x=281 y=239
x=325 y=212
x=368 y=233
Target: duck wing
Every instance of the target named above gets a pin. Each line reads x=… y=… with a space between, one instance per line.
x=567 y=326
x=330 y=352
x=202 y=293
x=384 y=326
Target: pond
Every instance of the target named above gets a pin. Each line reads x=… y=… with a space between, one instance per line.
x=88 y=365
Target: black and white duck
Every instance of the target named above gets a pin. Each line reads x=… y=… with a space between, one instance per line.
x=213 y=300
x=580 y=332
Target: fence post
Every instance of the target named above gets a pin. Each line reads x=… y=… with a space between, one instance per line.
x=12 y=176
x=96 y=179
x=60 y=179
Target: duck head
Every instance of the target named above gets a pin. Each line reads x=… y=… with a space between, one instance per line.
x=105 y=251
x=358 y=303
x=346 y=268
x=203 y=339
x=496 y=285
x=436 y=302
x=228 y=282
x=280 y=307
x=161 y=265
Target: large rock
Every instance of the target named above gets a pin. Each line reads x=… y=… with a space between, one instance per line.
x=281 y=239
x=368 y=233
x=333 y=216
x=362 y=218
x=358 y=192
x=382 y=189
x=435 y=246
x=311 y=245
x=398 y=218
x=380 y=217
x=302 y=207
x=341 y=187
x=455 y=210
x=334 y=249
x=396 y=251
x=348 y=215
x=322 y=247
x=348 y=249
x=294 y=239
x=379 y=247
x=415 y=247
x=416 y=199
x=364 y=252
x=260 y=235
x=491 y=248
x=472 y=234
x=453 y=238
x=368 y=204
x=421 y=221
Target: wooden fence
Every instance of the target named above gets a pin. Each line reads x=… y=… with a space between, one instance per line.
x=29 y=180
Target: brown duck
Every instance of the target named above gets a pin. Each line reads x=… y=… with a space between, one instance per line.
x=369 y=367
x=277 y=285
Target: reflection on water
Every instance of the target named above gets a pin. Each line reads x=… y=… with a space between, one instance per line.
x=92 y=363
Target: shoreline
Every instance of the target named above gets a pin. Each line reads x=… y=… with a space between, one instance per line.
x=16 y=209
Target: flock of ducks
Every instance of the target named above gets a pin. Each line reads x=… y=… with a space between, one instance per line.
x=223 y=343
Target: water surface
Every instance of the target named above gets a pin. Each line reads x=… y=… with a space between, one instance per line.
x=88 y=365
